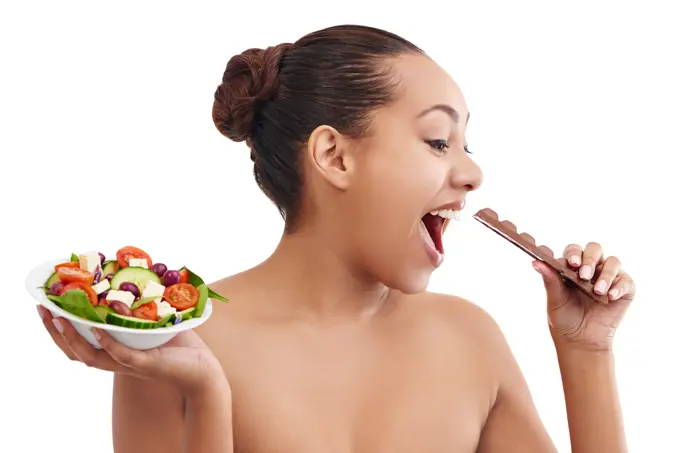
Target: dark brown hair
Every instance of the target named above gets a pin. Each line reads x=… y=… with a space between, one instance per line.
x=274 y=98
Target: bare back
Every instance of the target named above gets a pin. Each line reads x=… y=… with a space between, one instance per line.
x=422 y=375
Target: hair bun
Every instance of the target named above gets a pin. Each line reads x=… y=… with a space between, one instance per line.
x=250 y=78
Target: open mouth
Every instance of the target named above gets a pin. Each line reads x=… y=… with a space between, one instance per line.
x=432 y=227
x=434 y=224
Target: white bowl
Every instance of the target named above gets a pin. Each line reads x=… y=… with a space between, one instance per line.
x=140 y=339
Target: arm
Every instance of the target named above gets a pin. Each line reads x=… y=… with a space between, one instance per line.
x=592 y=403
x=149 y=417
x=595 y=420
x=208 y=423
x=513 y=424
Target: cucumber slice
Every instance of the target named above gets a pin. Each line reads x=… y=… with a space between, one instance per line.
x=130 y=322
x=202 y=301
x=54 y=278
x=184 y=315
x=164 y=321
x=110 y=267
x=140 y=276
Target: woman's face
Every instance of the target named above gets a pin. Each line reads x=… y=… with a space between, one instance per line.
x=413 y=163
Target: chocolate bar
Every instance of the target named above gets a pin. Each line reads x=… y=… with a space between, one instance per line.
x=524 y=241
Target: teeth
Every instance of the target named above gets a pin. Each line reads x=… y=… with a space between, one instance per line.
x=447 y=214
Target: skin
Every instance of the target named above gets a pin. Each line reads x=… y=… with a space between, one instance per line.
x=333 y=344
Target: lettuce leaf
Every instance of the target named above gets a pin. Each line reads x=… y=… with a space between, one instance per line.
x=144 y=300
x=198 y=281
x=75 y=301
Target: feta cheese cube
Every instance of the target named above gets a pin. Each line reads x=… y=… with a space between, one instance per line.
x=101 y=286
x=165 y=309
x=139 y=262
x=153 y=289
x=90 y=261
x=124 y=296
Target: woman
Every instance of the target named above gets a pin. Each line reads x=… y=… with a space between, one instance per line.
x=332 y=343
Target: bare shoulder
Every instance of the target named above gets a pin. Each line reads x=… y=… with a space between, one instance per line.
x=513 y=423
x=233 y=320
x=237 y=289
x=463 y=316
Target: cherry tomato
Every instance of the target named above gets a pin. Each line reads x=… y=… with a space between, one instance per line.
x=71 y=264
x=123 y=256
x=181 y=296
x=184 y=276
x=72 y=274
x=91 y=294
x=147 y=311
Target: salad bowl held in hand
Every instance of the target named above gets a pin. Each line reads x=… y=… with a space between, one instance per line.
x=141 y=304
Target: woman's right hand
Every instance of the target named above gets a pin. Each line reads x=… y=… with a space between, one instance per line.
x=185 y=362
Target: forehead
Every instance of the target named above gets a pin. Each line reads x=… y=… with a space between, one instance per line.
x=424 y=83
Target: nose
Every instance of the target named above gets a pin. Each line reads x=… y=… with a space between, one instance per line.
x=465 y=173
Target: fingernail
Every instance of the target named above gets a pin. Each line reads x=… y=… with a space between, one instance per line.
x=41 y=311
x=601 y=287
x=614 y=293
x=575 y=260
x=58 y=326
x=96 y=334
x=586 y=272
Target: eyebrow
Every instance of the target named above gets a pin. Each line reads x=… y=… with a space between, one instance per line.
x=453 y=113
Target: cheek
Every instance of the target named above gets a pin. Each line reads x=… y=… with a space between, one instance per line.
x=390 y=194
x=403 y=186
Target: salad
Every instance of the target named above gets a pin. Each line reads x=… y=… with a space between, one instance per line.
x=129 y=291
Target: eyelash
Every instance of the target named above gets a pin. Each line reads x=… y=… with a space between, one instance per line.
x=441 y=146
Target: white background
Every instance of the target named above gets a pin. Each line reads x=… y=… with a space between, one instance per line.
x=106 y=140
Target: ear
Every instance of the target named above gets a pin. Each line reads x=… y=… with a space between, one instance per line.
x=330 y=155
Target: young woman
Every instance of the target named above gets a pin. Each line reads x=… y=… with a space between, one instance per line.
x=332 y=344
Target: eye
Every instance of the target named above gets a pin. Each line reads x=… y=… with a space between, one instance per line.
x=467 y=150
x=438 y=145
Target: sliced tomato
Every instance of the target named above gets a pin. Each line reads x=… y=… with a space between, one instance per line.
x=181 y=296
x=184 y=276
x=123 y=256
x=147 y=311
x=71 y=264
x=72 y=274
x=91 y=294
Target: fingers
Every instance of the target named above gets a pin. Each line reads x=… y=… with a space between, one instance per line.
x=610 y=270
x=608 y=275
x=587 y=260
x=46 y=317
x=592 y=255
x=124 y=356
x=622 y=288
x=572 y=253
x=83 y=350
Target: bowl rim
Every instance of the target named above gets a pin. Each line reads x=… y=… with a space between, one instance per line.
x=39 y=274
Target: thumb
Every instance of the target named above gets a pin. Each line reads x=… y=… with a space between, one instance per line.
x=552 y=280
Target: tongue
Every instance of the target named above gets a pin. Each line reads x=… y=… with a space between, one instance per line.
x=434 y=224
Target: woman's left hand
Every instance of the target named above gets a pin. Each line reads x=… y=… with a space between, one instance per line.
x=575 y=318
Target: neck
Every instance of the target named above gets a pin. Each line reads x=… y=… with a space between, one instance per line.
x=314 y=279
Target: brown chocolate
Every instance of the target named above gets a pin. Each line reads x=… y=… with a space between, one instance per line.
x=508 y=231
